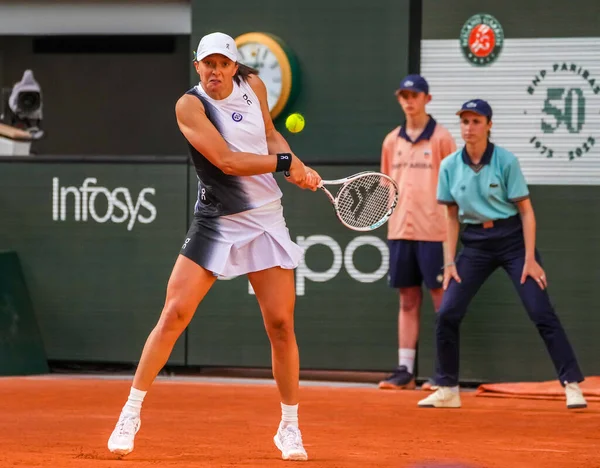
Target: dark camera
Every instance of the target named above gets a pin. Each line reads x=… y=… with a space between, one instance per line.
x=22 y=106
x=29 y=101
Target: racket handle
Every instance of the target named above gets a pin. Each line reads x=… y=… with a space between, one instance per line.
x=287 y=174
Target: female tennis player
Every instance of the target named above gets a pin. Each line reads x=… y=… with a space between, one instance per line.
x=484 y=188
x=238 y=228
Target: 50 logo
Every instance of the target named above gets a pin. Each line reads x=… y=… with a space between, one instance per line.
x=570 y=96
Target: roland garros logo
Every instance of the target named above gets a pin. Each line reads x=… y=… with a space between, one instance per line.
x=481 y=39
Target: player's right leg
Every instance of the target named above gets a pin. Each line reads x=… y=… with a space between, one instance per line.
x=187 y=286
x=275 y=293
x=430 y=256
x=474 y=267
x=405 y=276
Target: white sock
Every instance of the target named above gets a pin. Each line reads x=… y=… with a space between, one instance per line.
x=134 y=402
x=406 y=357
x=289 y=415
x=454 y=389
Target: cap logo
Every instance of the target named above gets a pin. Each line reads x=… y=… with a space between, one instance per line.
x=227 y=46
x=408 y=83
x=472 y=104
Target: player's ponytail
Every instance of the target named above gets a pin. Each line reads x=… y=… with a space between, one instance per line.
x=243 y=72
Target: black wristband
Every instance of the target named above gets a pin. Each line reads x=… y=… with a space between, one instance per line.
x=284 y=162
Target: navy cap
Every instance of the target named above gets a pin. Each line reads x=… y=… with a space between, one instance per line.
x=479 y=106
x=414 y=83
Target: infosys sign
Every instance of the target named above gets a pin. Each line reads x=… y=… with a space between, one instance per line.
x=91 y=202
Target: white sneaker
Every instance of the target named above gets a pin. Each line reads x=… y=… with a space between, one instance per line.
x=575 y=397
x=289 y=441
x=121 y=440
x=443 y=397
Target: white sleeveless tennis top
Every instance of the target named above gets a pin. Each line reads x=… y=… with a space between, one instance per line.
x=238 y=118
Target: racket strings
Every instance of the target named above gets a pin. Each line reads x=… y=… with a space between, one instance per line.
x=366 y=200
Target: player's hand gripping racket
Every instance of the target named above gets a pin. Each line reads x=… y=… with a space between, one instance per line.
x=364 y=201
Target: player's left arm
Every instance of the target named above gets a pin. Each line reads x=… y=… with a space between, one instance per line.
x=276 y=143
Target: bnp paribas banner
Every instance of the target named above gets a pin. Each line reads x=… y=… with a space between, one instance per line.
x=545 y=93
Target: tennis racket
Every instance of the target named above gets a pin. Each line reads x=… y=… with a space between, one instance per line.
x=364 y=201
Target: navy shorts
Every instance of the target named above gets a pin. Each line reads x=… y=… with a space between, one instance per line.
x=413 y=263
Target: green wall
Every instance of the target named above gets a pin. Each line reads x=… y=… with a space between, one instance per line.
x=97 y=288
x=21 y=347
x=352 y=57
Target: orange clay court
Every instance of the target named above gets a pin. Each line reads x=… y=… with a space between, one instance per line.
x=64 y=422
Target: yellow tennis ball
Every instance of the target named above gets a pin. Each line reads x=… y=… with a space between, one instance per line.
x=294 y=123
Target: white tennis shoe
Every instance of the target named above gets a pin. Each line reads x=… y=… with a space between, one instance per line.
x=122 y=438
x=443 y=397
x=575 y=398
x=289 y=441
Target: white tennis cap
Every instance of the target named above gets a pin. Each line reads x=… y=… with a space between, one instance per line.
x=217 y=43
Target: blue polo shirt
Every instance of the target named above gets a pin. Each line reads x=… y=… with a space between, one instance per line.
x=483 y=192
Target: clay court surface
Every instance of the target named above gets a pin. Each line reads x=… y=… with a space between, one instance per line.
x=65 y=422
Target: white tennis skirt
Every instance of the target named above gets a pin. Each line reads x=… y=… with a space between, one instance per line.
x=241 y=243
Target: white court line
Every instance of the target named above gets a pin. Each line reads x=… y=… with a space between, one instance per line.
x=533 y=450
x=199 y=379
